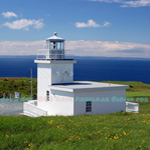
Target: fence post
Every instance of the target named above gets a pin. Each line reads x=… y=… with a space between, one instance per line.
x=3 y=95
x=10 y=97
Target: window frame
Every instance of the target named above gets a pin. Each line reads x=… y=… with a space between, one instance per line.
x=88 y=107
x=47 y=95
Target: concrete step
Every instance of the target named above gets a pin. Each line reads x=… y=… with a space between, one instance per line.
x=29 y=114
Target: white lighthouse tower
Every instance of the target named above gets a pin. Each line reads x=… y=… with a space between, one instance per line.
x=53 y=68
x=58 y=94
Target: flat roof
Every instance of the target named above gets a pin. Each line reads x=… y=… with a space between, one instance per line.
x=85 y=86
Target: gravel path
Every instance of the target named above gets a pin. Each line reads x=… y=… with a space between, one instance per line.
x=11 y=108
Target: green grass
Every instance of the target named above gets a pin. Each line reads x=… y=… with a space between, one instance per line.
x=144 y=108
x=118 y=131
x=137 y=90
x=23 y=85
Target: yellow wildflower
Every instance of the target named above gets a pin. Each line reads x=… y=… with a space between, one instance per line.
x=124 y=133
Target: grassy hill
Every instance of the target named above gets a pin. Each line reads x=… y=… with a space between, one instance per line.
x=116 y=131
x=119 y=131
x=23 y=85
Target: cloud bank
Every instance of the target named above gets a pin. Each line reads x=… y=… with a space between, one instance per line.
x=79 y=48
x=127 y=3
x=91 y=23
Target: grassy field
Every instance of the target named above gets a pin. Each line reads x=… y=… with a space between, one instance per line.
x=119 y=131
x=23 y=85
x=116 y=131
x=138 y=91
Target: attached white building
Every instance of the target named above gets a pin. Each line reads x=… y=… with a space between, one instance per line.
x=58 y=94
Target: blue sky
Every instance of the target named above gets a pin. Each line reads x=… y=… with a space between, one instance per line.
x=110 y=23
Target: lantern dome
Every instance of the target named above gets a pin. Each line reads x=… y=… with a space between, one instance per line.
x=55 y=38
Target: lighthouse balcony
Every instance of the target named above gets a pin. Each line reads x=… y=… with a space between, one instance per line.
x=51 y=54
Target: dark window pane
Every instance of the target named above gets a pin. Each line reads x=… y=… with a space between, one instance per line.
x=88 y=103
x=47 y=93
x=88 y=109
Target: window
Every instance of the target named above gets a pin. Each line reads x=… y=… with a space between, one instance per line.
x=54 y=45
x=88 y=106
x=47 y=95
x=58 y=45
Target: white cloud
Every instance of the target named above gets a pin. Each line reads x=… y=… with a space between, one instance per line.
x=137 y=3
x=108 y=49
x=24 y=24
x=106 y=24
x=9 y=14
x=128 y=3
x=91 y=23
x=79 y=48
x=38 y=24
x=20 y=47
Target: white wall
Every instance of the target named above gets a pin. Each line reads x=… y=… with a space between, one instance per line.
x=44 y=79
x=61 y=103
x=100 y=107
x=46 y=76
x=63 y=77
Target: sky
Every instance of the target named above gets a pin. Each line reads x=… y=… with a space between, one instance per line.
x=110 y=28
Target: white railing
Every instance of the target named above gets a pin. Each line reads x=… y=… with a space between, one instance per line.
x=132 y=107
x=51 y=56
x=31 y=108
x=33 y=102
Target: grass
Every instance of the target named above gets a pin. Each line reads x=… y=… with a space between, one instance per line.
x=116 y=131
x=23 y=85
x=137 y=90
x=120 y=131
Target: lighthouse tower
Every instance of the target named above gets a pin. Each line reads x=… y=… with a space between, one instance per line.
x=53 y=68
x=57 y=94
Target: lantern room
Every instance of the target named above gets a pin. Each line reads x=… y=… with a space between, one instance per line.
x=55 y=47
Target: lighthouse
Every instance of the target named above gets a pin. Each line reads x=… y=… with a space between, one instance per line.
x=58 y=94
x=52 y=67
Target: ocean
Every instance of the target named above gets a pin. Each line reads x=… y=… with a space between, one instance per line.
x=86 y=68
